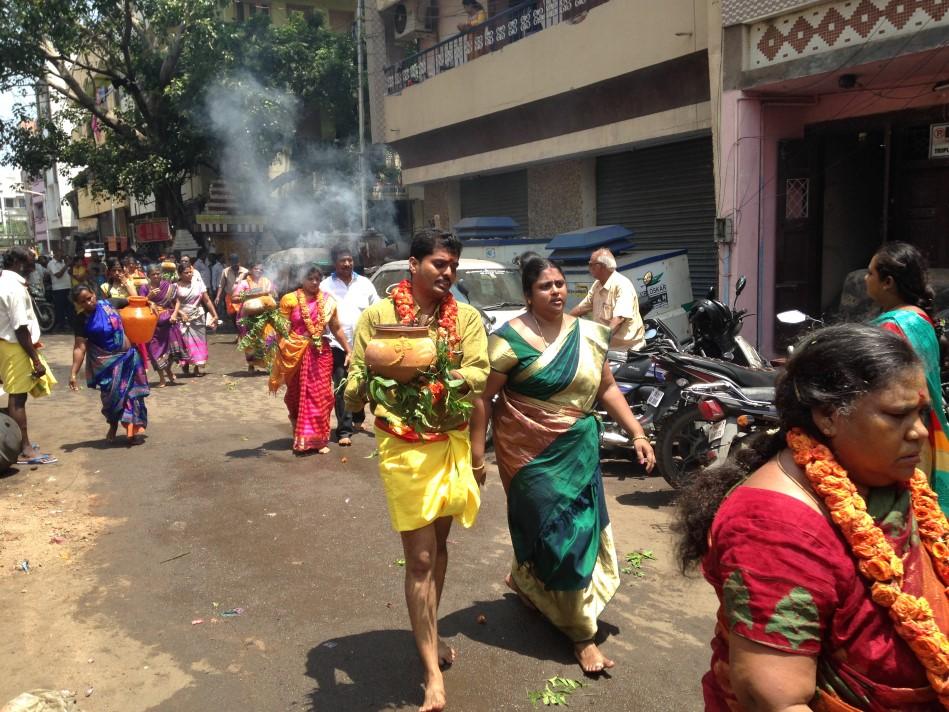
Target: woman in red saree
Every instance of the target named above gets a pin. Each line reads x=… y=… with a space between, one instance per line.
x=830 y=559
x=304 y=362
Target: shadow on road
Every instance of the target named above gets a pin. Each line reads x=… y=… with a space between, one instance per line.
x=380 y=669
x=278 y=445
x=653 y=500
x=100 y=444
x=247 y=374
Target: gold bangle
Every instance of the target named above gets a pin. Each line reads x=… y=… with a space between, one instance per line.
x=477 y=467
x=640 y=437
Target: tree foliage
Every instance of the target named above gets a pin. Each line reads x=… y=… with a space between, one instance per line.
x=164 y=60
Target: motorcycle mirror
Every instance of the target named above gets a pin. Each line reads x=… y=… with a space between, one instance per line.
x=740 y=286
x=651 y=334
x=794 y=316
x=712 y=292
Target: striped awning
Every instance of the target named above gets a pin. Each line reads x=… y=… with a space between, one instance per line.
x=216 y=223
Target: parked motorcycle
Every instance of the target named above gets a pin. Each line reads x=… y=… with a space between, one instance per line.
x=45 y=314
x=716 y=329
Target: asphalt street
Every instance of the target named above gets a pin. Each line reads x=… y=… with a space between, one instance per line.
x=136 y=554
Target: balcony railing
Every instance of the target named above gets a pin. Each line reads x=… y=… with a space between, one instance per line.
x=512 y=25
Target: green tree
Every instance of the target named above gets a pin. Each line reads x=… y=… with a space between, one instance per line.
x=163 y=59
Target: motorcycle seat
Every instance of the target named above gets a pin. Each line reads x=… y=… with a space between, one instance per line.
x=744 y=377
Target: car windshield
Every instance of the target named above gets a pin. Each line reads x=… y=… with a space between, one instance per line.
x=486 y=288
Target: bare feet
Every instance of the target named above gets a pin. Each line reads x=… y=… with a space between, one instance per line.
x=590 y=658
x=345 y=441
x=323 y=451
x=110 y=436
x=434 y=694
x=446 y=654
x=520 y=594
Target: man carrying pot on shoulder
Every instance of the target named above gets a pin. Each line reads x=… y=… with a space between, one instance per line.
x=426 y=469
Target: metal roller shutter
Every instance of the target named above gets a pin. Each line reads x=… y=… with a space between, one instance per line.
x=499 y=195
x=666 y=196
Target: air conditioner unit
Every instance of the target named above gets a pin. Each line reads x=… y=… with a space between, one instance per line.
x=413 y=19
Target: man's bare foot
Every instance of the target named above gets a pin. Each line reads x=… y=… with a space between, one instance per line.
x=446 y=654
x=590 y=658
x=323 y=451
x=113 y=428
x=434 y=695
x=520 y=594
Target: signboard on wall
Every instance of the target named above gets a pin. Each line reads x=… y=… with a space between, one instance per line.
x=152 y=230
x=939 y=141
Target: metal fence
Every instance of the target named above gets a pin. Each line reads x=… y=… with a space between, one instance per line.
x=512 y=25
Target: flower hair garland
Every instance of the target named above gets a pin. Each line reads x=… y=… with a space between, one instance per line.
x=912 y=616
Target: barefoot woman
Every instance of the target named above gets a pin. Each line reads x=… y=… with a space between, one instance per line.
x=304 y=362
x=113 y=365
x=550 y=371
x=427 y=475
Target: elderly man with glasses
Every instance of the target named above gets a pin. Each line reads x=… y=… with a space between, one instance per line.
x=612 y=301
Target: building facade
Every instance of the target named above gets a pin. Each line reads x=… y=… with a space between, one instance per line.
x=559 y=114
x=830 y=138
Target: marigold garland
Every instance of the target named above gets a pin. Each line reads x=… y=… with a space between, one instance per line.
x=912 y=616
x=447 y=312
x=316 y=330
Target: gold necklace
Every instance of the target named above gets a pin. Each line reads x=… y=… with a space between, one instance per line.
x=540 y=332
x=805 y=490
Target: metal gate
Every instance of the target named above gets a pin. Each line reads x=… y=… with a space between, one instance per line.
x=499 y=195
x=666 y=196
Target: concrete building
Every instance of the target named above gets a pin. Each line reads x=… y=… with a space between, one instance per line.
x=14 y=211
x=562 y=114
x=831 y=136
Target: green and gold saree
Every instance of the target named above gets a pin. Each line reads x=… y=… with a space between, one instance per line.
x=546 y=439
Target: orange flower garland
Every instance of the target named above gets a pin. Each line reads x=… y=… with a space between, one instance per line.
x=447 y=313
x=878 y=562
x=316 y=330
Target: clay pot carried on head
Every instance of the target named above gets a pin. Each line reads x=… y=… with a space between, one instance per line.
x=138 y=320
x=400 y=352
x=252 y=306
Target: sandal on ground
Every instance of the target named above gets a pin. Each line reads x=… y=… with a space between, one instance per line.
x=38 y=460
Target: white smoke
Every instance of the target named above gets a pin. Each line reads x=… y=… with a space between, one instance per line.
x=318 y=210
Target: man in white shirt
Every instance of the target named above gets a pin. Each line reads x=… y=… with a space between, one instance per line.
x=61 y=283
x=22 y=369
x=203 y=269
x=613 y=302
x=353 y=293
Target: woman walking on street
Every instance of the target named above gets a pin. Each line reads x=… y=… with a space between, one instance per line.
x=549 y=371
x=824 y=543
x=304 y=362
x=896 y=281
x=254 y=283
x=164 y=350
x=193 y=305
x=117 y=286
x=113 y=365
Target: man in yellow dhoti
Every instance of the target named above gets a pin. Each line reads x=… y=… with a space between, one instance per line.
x=427 y=473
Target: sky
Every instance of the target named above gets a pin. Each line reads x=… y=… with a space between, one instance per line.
x=8 y=174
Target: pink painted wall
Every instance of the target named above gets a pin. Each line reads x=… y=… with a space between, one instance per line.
x=751 y=128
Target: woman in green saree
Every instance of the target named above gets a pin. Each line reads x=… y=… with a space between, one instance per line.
x=548 y=371
x=896 y=280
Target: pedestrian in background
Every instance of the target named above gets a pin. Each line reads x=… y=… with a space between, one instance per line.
x=353 y=293
x=203 y=269
x=897 y=281
x=39 y=277
x=23 y=369
x=612 y=301
x=193 y=306
x=60 y=283
x=113 y=365
x=304 y=362
x=231 y=275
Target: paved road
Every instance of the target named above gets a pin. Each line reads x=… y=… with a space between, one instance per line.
x=215 y=513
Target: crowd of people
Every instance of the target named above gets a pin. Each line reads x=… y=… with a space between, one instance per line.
x=825 y=540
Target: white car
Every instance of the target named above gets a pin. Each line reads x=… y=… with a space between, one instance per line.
x=492 y=288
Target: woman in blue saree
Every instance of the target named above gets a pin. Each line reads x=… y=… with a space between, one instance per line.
x=549 y=371
x=896 y=280
x=113 y=365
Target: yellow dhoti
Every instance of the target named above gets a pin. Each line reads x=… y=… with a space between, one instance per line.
x=427 y=480
x=16 y=372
